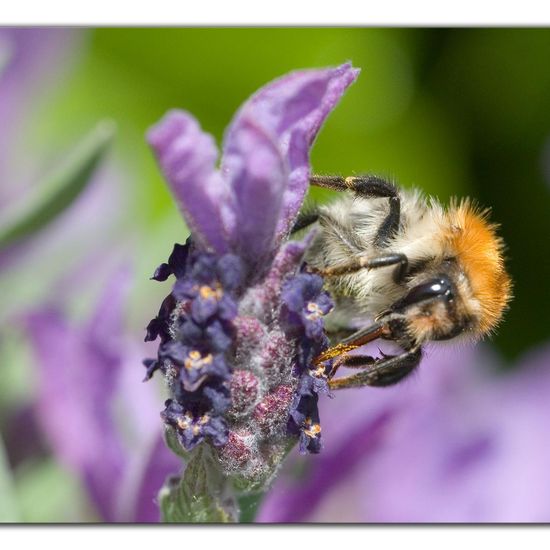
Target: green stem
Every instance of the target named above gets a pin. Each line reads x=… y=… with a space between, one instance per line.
x=249 y=505
x=203 y=494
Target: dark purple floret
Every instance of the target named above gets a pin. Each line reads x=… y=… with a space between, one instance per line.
x=305 y=303
x=159 y=326
x=194 y=365
x=304 y=419
x=176 y=263
x=162 y=272
x=211 y=396
x=195 y=325
x=151 y=365
x=219 y=397
x=216 y=335
x=230 y=272
x=304 y=412
x=193 y=427
x=315 y=380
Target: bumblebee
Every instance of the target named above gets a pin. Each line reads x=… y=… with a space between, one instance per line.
x=419 y=271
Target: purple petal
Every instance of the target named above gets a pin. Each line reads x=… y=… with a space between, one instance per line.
x=291 y=110
x=105 y=329
x=217 y=336
x=314 y=328
x=203 y=308
x=162 y=272
x=190 y=333
x=250 y=206
x=219 y=398
x=78 y=375
x=286 y=263
x=76 y=387
x=217 y=430
x=230 y=271
x=256 y=172
x=187 y=157
x=204 y=269
x=156 y=465
x=325 y=303
x=227 y=308
x=174 y=351
x=184 y=289
x=292 y=295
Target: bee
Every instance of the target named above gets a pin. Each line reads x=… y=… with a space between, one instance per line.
x=420 y=271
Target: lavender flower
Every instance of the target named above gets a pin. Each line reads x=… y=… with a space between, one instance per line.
x=243 y=322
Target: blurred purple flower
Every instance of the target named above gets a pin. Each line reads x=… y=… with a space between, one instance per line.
x=465 y=445
x=30 y=59
x=225 y=307
x=97 y=418
x=32 y=62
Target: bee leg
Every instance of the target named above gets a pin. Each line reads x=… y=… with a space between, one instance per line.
x=304 y=220
x=352 y=362
x=368 y=187
x=363 y=262
x=357 y=361
x=384 y=372
x=356 y=340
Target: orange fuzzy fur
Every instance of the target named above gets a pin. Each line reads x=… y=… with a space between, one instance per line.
x=473 y=239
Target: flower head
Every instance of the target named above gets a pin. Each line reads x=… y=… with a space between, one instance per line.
x=243 y=321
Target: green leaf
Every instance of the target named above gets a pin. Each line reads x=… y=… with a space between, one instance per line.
x=249 y=504
x=59 y=190
x=202 y=495
x=8 y=505
x=171 y=440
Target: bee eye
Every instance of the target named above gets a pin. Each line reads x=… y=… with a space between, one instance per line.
x=439 y=287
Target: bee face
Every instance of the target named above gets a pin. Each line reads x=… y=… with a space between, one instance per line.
x=434 y=309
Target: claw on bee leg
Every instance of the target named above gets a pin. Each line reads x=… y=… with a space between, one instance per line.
x=384 y=372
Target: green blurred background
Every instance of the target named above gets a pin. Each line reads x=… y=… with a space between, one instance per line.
x=455 y=112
